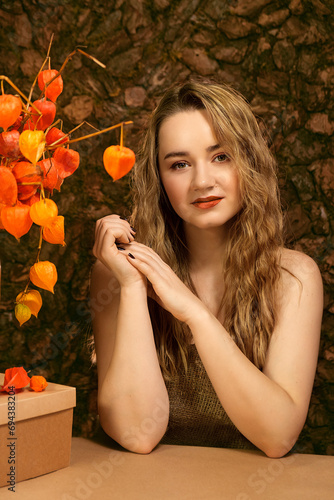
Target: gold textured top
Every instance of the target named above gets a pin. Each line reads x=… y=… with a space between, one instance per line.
x=197 y=417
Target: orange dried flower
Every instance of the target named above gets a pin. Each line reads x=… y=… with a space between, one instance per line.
x=50 y=173
x=10 y=110
x=44 y=275
x=48 y=110
x=32 y=144
x=67 y=161
x=55 y=88
x=16 y=377
x=31 y=299
x=54 y=232
x=22 y=313
x=118 y=161
x=8 y=187
x=56 y=136
x=16 y=220
x=33 y=199
x=9 y=144
x=38 y=383
x=25 y=172
x=43 y=211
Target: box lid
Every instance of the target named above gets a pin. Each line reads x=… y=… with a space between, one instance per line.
x=30 y=404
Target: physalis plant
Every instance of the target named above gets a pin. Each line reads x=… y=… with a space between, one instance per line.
x=35 y=158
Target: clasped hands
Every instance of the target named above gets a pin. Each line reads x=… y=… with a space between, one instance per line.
x=133 y=263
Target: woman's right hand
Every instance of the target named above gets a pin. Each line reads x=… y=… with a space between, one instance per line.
x=110 y=233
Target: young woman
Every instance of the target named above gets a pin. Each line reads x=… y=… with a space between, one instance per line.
x=210 y=331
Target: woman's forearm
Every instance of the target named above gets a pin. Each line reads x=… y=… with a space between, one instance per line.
x=260 y=408
x=133 y=400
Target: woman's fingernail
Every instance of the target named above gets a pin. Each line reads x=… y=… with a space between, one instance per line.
x=123 y=218
x=133 y=229
x=132 y=256
x=120 y=248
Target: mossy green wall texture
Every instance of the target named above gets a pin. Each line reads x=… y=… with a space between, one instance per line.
x=279 y=54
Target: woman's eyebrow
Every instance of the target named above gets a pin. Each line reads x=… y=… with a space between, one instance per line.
x=210 y=149
x=174 y=154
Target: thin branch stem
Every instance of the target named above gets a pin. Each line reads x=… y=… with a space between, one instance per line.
x=121 y=141
x=56 y=143
x=26 y=288
x=66 y=61
x=34 y=82
x=98 y=133
x=50 y=44
x=92 y=58
x=39 y=243
x=41 y=68
x=29 y=184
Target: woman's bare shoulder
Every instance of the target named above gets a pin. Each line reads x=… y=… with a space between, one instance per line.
x=298 y=265
x=298 y=262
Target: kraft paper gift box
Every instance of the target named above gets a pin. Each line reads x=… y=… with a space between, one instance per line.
x=35 y=432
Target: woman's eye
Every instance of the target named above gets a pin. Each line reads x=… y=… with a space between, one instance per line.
x=221 y=158
x=179 y=165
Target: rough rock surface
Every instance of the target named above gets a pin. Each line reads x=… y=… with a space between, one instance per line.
x=279 y=54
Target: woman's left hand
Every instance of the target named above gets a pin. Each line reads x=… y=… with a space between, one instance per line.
x=171 y=293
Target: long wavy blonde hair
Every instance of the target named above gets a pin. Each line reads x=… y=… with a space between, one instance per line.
x=251 y=261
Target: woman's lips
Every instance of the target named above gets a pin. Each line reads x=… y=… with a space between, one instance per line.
x=206 y=202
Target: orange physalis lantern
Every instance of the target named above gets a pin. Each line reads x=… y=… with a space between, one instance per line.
x=55 y=88
x=118 y=161
x=50 y=173
x=22 y=313
x=42 y=211
x=55 y=136
x=16 y=377
x=16 y=220
x=48 y=110
x=10 y=110
x=32 y=144
x=67 y=161
x=25 y=172
x=44 y=275
x=53 y=232
x=8 y=187
x=31 y=299
x=38 y=383
x=33 y=199
x=9 y=144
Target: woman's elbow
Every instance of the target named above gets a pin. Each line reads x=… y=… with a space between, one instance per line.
x=133 y=438
x=142 y=446
x=276 y=452
x=278 y=448
x=132 y=441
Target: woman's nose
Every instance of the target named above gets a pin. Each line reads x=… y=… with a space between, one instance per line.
x=202 y=177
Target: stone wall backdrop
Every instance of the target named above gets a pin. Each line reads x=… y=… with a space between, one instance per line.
x=278 y=53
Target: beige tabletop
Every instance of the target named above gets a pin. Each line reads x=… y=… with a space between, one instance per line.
x=104 y=471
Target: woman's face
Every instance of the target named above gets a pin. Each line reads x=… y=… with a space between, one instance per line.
x=199 y=176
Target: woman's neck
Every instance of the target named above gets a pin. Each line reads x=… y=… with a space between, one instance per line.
x=206 y=248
